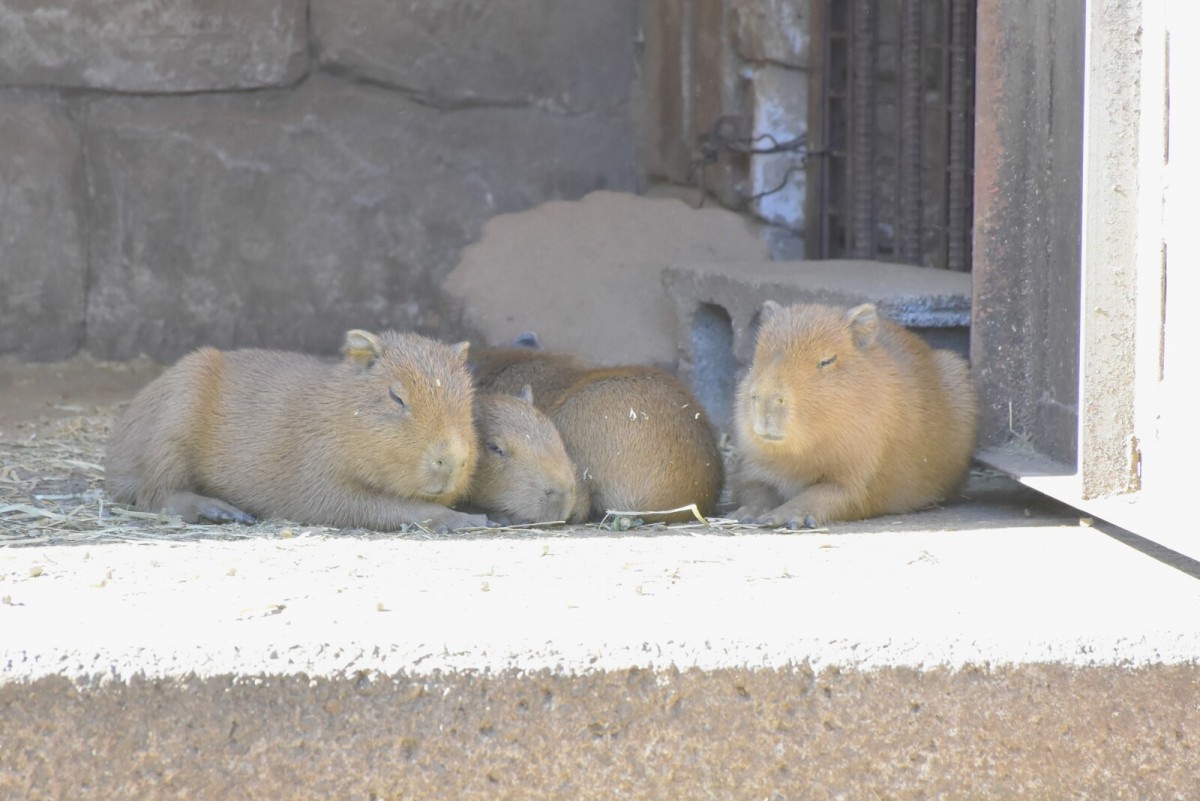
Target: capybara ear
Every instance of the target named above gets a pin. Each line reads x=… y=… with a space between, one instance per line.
x=528 y=339
x=768 y=310
x=362 y=347
x=527 y=394
x=460 y=350
x=864 y=324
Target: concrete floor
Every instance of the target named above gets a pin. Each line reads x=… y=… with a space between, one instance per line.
x=997 y=647
x=968 y=585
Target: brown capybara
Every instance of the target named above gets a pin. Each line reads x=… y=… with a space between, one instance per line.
x=508 y=370
x=524 y=474
x=639 y=439
x=844 y=415
x=380 y=439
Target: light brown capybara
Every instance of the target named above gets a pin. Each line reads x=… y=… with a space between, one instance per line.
x=508 y=370
x=378 y=440
x=845 y=415
x=639 y=439
x=524 y=474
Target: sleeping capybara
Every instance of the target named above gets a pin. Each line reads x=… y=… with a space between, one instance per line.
x=845 y=415
x=639 y=439
x=380 y=439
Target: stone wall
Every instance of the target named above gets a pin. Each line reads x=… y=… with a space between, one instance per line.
x=740 y=69
x=272 y=173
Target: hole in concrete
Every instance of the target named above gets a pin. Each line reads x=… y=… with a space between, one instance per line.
x=714 y=368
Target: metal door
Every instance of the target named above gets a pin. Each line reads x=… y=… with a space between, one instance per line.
x=1082 y=334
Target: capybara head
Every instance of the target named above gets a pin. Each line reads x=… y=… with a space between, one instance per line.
x=409 y=406
x=524 y=473
x=808 y=374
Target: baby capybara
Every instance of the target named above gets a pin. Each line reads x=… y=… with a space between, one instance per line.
x=524 y=474
x=380 y=439
x=844 y=415
x=639 y=439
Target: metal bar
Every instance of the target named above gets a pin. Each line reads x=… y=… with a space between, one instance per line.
x=910 y=109
x=827 y=41
x=959 y=173
x=861 y=199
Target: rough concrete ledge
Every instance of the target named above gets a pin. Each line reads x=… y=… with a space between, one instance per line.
x=1036 y=732
x=859 y=599
x=943 y=654
x=716 y=306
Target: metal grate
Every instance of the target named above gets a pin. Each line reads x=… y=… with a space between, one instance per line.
x=894 y=115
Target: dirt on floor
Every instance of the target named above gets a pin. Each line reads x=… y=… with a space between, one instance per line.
x=34 y=396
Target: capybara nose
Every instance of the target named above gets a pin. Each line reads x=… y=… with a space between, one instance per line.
x=767 y=431
x=445 y=464
x=559 y=502
x=767 y=427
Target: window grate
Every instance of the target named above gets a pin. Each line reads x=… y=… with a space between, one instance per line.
x=892 y=171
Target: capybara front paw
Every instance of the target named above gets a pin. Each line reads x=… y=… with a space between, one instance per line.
x=221 y=512
x=195 y=508
x=785 y=518
x=452 y=521
x=748 y=515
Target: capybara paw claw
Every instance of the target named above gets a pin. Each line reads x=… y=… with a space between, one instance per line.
x=222 y=513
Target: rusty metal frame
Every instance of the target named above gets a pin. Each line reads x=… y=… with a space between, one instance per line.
x=906 y=197
x=1073 y=130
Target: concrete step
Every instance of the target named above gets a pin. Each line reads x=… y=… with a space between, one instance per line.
x=994 y=648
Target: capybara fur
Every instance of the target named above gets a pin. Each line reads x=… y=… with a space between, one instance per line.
x=508 y=370
x=524 y=474
x=378 y=440
x=639 y=439
x=845 y=415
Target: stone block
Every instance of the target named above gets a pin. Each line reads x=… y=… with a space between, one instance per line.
x=42 y=268
x=563 y=55
x=717 y=304
x=772 y=30
x=587 y=276
x=153 y=46
x=780 y=100
x=281 y=219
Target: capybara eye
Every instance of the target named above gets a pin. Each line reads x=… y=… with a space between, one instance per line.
x=399 y=400
x=496 y=449
x=827 y=361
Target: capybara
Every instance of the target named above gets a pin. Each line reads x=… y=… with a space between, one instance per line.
x=524 y=474
x=507 y=370
x=639 y=439
x=845 y=415
x=382 y=438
